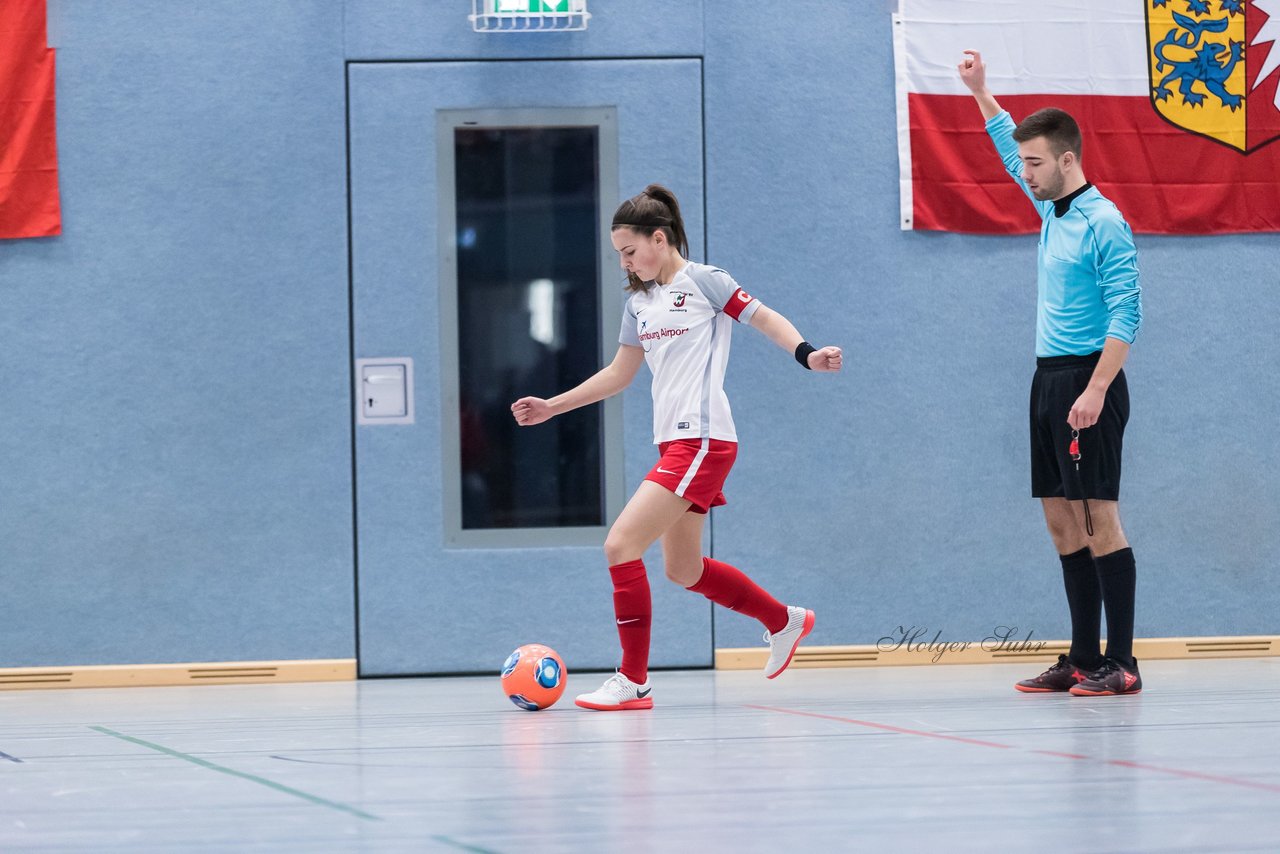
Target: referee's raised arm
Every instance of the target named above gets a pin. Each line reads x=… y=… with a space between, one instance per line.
x=973 y=73
x=999 y=125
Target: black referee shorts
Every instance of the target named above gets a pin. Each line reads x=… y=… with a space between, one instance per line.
x=1059 y=380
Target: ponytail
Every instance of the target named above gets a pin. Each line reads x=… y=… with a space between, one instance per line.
x=654 y=209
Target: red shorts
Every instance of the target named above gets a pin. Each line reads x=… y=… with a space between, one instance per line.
x=695 y=469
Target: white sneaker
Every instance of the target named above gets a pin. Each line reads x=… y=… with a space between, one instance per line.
x=783 y=645
x=616 y=694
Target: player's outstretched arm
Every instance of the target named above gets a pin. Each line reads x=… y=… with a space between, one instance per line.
x=973 y=73
x=606 y=382
x=780 y=331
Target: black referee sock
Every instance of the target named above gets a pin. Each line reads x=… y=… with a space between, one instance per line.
x=1119 y=576
x=1084 y=598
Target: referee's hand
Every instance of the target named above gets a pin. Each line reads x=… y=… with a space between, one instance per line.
x=973 y=71
x=826 y=359
x=1085 y=411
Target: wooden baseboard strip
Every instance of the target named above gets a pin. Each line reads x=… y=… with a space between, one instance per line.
x=974 y=652
x=344 y=669
x=211 y=673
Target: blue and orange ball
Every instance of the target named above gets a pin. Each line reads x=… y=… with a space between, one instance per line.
x=534 y=677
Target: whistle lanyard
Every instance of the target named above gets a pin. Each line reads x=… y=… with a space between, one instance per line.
x=1074 y=450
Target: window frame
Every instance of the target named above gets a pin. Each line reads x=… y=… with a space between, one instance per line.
x=605 y=121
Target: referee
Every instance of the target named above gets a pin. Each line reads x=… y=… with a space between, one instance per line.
x=1088 y=310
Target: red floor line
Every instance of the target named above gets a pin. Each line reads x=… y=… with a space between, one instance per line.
x=886 y=727
x=1195 y=775
x=1123 y=763
x=1061 y=755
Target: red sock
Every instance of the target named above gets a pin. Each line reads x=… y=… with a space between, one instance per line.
x=729 y=586
x=634 y=610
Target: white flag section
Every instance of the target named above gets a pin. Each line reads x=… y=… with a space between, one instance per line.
x=1081 y=48
x=1175 y=98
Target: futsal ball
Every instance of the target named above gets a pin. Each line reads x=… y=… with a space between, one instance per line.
x=533 y=677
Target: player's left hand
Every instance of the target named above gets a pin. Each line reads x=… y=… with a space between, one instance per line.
x=826 y=359
x=1085 y=411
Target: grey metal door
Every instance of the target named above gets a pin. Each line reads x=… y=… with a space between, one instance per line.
x=454 y=571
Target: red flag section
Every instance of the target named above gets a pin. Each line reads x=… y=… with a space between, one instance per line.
x=1163 y=179
x=28 y=139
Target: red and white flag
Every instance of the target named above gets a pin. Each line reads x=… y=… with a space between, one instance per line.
x=28 y=140
x=1176 y=99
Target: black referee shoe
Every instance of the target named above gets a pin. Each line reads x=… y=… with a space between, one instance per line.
x=1110 y=679
x=1061 y=677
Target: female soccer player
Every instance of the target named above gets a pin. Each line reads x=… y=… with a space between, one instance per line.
x=678 y=318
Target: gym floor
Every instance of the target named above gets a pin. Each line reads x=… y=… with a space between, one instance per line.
x=945 y=758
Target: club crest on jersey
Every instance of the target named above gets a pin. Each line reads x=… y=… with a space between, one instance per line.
x=1200 y=79
x=679 y=298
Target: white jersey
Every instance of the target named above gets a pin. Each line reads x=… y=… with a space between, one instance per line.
x=684 y=328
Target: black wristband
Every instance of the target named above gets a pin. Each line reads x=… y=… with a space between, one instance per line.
x=803 y=349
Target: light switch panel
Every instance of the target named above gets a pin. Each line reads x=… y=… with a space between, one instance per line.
x=384 y=389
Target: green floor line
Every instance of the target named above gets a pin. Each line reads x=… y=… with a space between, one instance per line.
x=463 y=846
x=204 y=763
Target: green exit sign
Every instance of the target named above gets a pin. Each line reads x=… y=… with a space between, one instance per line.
x=528 y=7
x=527 y=16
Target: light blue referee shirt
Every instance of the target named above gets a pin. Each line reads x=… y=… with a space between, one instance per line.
x=1087 y=278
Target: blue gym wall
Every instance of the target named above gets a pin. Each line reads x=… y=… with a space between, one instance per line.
x=176 y=436
x=175 y=482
